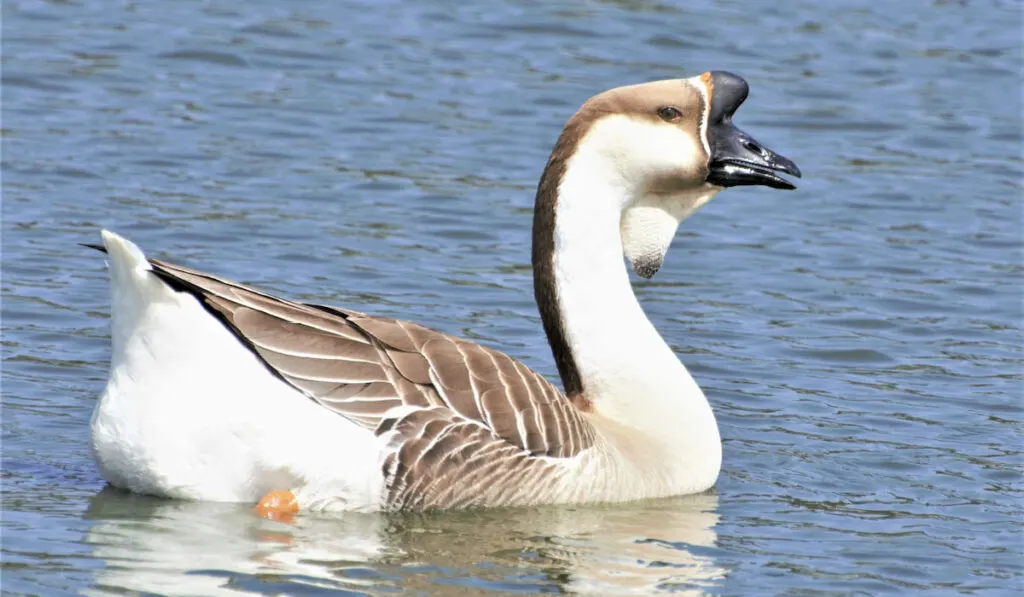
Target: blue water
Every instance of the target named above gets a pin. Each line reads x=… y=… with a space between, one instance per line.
x=860 y=338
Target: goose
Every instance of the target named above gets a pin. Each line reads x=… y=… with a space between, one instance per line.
x=221 y=392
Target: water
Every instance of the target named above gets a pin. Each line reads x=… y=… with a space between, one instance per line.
x=860 y=338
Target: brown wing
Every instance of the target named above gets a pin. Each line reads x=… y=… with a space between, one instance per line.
x=363 y=367
x=443 y=460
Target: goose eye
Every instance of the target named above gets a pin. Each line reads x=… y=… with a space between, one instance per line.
x=669 y=114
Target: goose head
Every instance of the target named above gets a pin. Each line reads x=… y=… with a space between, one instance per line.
x=668 y=147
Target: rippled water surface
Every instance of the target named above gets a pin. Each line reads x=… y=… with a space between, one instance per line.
x=859 y=339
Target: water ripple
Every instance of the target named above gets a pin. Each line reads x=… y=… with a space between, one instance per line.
x=860 y=339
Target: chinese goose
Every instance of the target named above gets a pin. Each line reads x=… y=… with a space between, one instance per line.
x=220 y=392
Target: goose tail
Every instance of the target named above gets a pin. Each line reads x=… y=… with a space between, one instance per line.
x=133 y=289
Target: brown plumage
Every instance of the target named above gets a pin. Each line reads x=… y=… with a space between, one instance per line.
x=479 y=416
x=449 y=423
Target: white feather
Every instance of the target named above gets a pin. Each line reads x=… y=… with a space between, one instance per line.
x=189 y=412
x=629 y=373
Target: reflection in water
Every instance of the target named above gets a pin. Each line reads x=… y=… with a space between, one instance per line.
x=186 y=548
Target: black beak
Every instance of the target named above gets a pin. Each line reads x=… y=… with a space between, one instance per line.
x=736 y=157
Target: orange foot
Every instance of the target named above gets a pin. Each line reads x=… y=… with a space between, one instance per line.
x=278 y=505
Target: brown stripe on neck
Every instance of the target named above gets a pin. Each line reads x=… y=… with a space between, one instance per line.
x=545 y=287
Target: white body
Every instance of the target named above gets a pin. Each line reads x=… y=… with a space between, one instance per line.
x=190 y=413
x=633 y=377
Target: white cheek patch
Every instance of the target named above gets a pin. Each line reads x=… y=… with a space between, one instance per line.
x=641 y=151
x=647 y=232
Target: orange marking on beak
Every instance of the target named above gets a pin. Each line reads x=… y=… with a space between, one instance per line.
x=278 y=505
x=709 y=83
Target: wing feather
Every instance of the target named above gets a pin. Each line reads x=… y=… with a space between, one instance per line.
x=475 y=423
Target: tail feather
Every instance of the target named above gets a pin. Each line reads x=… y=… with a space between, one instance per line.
x=123 y=252
x=133 y=288
x=94 y=246
x=190 y=412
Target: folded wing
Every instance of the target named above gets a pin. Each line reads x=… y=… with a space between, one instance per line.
x=460 y=415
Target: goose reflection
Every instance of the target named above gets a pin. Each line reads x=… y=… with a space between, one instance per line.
x=185 y=548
